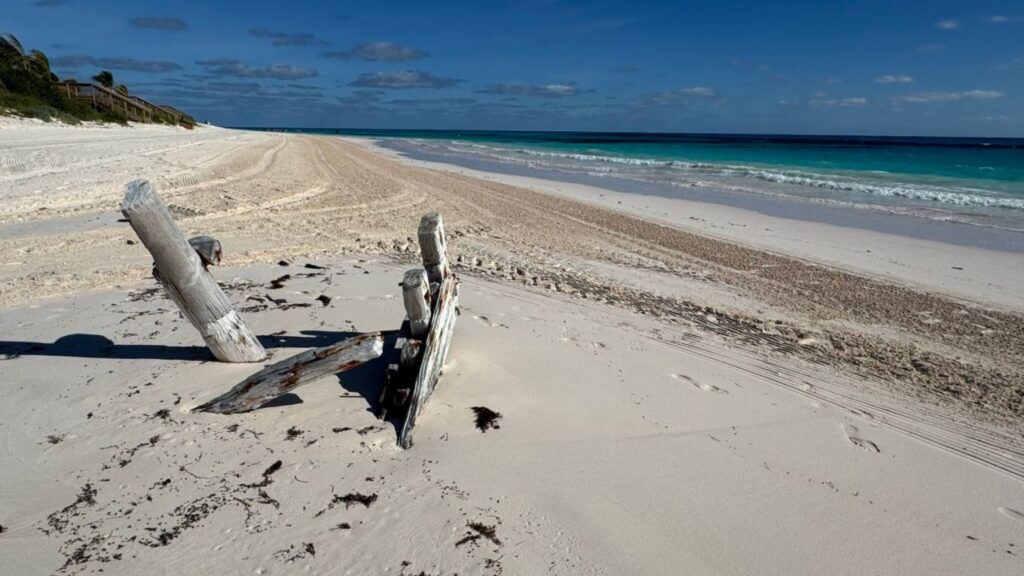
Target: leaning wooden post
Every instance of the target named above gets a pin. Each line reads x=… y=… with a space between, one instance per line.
x=181 y=272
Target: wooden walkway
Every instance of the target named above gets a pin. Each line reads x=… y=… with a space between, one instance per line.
x=134 y=108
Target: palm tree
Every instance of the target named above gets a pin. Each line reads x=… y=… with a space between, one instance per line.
x=38 y=63
x=12 y=53
x=13 y=56
x=105 y=79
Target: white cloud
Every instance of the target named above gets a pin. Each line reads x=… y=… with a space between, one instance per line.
x=677 y=97
x=542 y=90
x=1016 y=63
x=698 y=91
x=849 y=102
x=927 y=97
x=1001 y=19
x=950 y=24
x=403 y=79
x=894 y=79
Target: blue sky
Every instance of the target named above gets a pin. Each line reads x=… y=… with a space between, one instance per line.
x=846 y=67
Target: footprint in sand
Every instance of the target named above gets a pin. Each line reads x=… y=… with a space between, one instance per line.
x=1011 y=513
x=699 y=385
x=853 y=435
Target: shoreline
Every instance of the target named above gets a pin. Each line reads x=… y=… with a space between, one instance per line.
x=922 y=264
x=928 y=221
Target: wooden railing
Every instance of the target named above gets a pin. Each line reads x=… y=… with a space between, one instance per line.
x=134 y=108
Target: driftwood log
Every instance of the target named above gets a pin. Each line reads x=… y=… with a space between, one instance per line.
x=430 y=295
x=284 y=376
x=182 y=272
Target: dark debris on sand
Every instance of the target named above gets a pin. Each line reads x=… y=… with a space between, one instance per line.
x=486 y=418
x=478 y=530
x=349 y=500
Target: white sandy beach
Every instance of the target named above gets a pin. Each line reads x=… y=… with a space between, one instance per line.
x=678 y=393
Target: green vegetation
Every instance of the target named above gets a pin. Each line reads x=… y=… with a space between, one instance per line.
x=29 y=88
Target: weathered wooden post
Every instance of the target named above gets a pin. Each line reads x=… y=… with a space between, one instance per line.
x=433 y=247
x=424 y=355
x=183 y=275
x=415 y=294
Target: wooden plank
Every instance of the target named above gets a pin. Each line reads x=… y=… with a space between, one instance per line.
x=435 y=352
x=179 y=269
x=288 y=374
x=433 y=247
x=415 y=292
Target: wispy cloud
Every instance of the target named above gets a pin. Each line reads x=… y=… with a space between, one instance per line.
x=537 y=90
x=172 y=24
x=1015 y=64
x=927 y=97
x=678 y=97
x=387 y=52
x=241 y=70
x=422 y=103
x=404 y=79
x=1001 y=19
x=848 y=102
x=894 y=79
x=378 y=52
x=950 y=24
x=76 y=61
x=362 y=98
x=280 y=39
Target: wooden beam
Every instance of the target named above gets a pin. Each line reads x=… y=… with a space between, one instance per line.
x=415 y=292
x=435 y=352
x=288 y=374
x=179 y=269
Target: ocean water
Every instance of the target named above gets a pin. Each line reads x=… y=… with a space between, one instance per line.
x=975 y=184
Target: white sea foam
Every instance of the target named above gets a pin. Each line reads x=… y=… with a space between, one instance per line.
x=954 y=196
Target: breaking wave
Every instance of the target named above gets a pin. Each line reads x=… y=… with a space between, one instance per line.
x=954 y=196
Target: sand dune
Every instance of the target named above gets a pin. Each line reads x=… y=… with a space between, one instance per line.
x=668 y=402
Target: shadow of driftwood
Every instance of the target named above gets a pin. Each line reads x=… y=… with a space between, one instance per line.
x=368 y=380
x=281 y=401
x=97 y=346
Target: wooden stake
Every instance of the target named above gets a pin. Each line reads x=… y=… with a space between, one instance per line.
x=290 y=373
x=415 y=292
x=181 y=272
